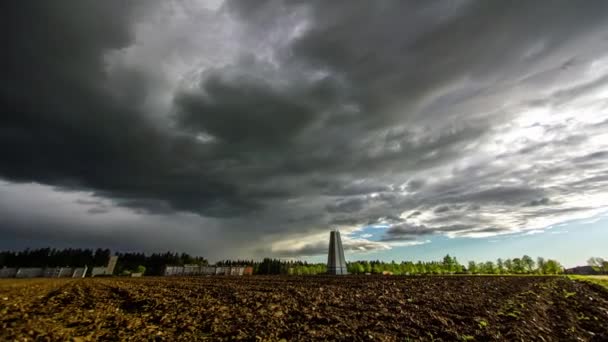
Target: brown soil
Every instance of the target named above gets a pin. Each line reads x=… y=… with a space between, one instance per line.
x=258 y=308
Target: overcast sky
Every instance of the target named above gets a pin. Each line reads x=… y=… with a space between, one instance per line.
x=242 y=129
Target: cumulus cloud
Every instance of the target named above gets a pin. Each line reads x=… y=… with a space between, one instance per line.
x=282 y=119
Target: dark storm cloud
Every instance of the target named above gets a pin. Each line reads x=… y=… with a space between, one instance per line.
x=538 y=202
x=292 y=116
x=415 y=185
x=62 y=126
x=599 y=156
x=441 y=209
x=509 y=195
x=405 y=232
x=98 y=211
x=353 y=189
x=569 y=141
x=414 y=214
x=94 y=228
x=346 y=221
x=87 y=202
x=348 y=205
x=390 y=72
x=238 y=106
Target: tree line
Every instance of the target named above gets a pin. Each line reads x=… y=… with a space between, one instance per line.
x=153 y=264
x=523 y=265
x=448 y=265
x=277 y=266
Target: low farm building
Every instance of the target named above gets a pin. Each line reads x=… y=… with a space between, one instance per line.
x=64 y=272
x=8 y=272
x=194 y=270
x=107 y=270
x=48 y=272
x=29 y=272
x=58 y=272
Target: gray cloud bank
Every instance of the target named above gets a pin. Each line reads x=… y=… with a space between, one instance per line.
x=270 y=120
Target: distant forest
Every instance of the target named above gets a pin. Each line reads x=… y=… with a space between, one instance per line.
x=449 y=265
x=155 y=263
x=50 y=257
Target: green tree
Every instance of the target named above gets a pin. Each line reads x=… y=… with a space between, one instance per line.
x=421 y=268
x=518 y=266
x=508 y=266
x=368 y=267
x=489 y=267
x=500 y=266
x=394 y=268
x=449 y=264
x=541 y=265
x=598 y=264
x=553 y=267
x=140 y=269
x=356 y=268
x=305 y=270
x=472 y=268
x=458 y=268
x=408 y=268
x=528 y=264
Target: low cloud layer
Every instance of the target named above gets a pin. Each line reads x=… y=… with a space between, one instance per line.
x=250 y=129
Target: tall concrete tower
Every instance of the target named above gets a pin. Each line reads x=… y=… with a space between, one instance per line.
x=336 y=264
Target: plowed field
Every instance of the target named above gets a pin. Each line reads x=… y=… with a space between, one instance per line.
x=350 y=308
